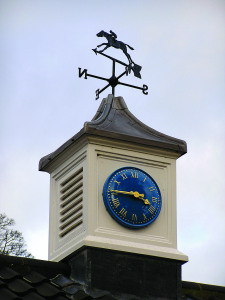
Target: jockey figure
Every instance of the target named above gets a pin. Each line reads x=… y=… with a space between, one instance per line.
x=114 y=36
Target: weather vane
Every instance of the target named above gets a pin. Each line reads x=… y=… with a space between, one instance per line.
x=113 y=81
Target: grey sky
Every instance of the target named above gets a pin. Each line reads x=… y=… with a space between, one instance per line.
x=181 y=46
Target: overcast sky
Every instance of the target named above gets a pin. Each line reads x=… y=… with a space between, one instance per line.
x=181 y=47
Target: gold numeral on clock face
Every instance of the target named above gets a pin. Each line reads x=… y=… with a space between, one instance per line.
x=117 y=182
x=154 y=199
x=152 y=188
x=123 y=212
x=124 y=176
x=144 y=216
x=134 y=174
x=151 y=209
x=134 y=217
x=116 y=202
x=145 y=179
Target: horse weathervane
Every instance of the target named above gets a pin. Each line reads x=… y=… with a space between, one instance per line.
x=113 y=81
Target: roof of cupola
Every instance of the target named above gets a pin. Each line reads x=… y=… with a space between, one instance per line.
x=114 y=120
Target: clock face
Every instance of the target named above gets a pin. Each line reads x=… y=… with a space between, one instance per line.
x=132 y=197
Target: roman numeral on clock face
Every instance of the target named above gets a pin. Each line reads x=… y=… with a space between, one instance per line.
x=144 y=217
x=151 y=209
x=116 y=202
x=154 y=199
x=145 y=179
x=134 y=174
x=124 y=176
x=117 y=182
x=123 y=212
x=134 y=217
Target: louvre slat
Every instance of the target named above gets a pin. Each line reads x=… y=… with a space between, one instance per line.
x=71 y=183
x=71 y=205
x=71 y=219
x=71 y=190
x=71 y=198
x=73 y=226
x=72 y=177
x=71 y=212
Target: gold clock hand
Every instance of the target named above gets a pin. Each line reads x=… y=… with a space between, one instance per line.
x=122 y=192
x=145 y=201
x=135 y=194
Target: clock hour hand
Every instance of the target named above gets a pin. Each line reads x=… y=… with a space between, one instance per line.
x=140 y=196
x=145 y=200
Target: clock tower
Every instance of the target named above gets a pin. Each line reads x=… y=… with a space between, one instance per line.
x=113 y=205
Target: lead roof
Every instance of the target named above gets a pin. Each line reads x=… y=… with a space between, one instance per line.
x=114 y=120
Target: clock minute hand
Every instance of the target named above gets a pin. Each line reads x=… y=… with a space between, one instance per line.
x=122 y=192
x=135 y=194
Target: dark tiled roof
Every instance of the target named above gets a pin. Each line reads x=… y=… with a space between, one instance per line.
x=31 y=286
x=31 y=279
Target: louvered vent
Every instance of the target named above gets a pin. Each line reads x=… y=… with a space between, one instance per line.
x=71 y=206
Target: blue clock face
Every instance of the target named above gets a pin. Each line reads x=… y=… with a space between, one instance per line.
x=132 y=197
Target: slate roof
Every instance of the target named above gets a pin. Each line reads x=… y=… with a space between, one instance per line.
x=114 y=120
x=23 y=278
x=31 y=279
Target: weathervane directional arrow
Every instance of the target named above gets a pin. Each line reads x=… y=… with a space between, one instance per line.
x=113 y=81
